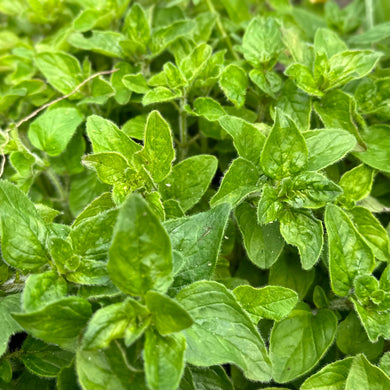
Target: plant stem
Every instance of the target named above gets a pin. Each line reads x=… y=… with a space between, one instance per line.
x=222 y=30
x=57 y=184
x=369 y=13
x=183 y=130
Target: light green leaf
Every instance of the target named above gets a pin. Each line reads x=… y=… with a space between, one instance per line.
x=137 y=265
x=270 y=302
x=59 y=322
x=135 y=127
x=376 y=322
x=288 y=272
x=372 y=231
x=269 y=206
x=247 y=138
x=296 y=104
x=239 y=181
x=168 y=315
x=285 y=151
x=122 y=94
x=327 y=146
x=205 y=377
x=352 y=339
x=234 y=82
x=52 y=131
x=269 y=82
x=384 y=363
x=195 y=62
x=23 y=232
x=127 y=319
x=157 y=153
x=136 y=83
x=110 y=167
x=136 y=26
x=356 y=183
x=377 y=155
x=349 y=255
x=42 y=289
x=106 y=137
x=102 y=42
x=208 y=108
x=328 y=42
x=311 y=190
x=331 y=377
x=8 y=304
x=301 y=334
x=337 y=110
x=262 y=41
x=198 y=239
x=365 y=375
x=305 y=232
x=43 y=359
x=61 y=70
x=164 y=360
x=189 y=180
x=302 y=76
x=263 y=244
x=107 y=370
x=222 y=323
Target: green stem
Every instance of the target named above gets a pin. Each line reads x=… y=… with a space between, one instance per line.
x=221 y=29
x=183 y=131
x=57 y=184
x=369 y=13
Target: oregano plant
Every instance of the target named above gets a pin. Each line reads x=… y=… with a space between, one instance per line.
x=194 y=194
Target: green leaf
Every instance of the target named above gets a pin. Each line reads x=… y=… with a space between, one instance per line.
x=301 y=334
x=23 y=232
x=189 y=180
x=285 y=151
x=234 y=82
x=221 y=322
x=158 y=152
x=331 y=377
x=376 y=322
x=59 y=322
x=207 y=377
x=263 y=244
x=102 y=42
x=287 y=272
x=240 y=180
x=136 y=26
x=8 y=304
x=127 y=319
x=296 y=104
x=328 y=42
x=327 y=146
x=150 y=264
x=302 y=76
x=262 y=41
x=375 y=34
x=168 y=315
x=110 y=166
x=357 y=183
x=198 y=239
x=136 y=83
x=349 y=255
x=107 y=369
x=337 y=110
x=106 y=137
x=43 y=289
x=352 y=339
x=5 y=371
x=164 y=360
x=269 y=82
x=43 y=359
x=60 y=69
x=52 y=131
x=270 y=302
x=365 y=375
x=377 y=154
x=247 y=138
x=122 y=94
x=312 y=190
x=269 y=206
x=305 y=232
x=195 y=62
x=208 y=108
x=372 y=231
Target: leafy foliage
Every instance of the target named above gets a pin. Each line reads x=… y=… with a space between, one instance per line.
x=194 y=194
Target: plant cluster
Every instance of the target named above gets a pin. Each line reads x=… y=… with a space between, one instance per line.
x=194 y=195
